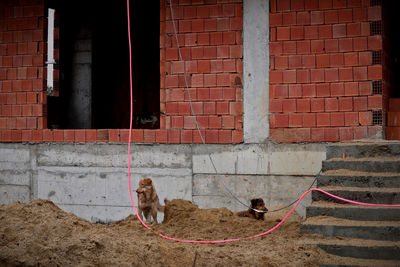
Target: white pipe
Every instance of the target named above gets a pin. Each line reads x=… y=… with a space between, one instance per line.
x=50 y=51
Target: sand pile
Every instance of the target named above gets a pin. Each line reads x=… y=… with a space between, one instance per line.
x=41 y=234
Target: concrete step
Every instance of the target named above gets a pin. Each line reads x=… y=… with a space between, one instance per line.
x=329 y=226
x=353 y=212
x=374 y=195
x=350 y=178
x=363 y=149
x=377 y=164
x=361 y=248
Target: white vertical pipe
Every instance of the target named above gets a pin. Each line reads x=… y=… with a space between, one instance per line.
x=50 y=51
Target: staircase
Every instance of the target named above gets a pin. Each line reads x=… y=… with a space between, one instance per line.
x=393 y=120
x=364 y=172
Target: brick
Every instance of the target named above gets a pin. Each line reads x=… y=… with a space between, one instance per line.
x=295 y=62
x=345 y=74
x=275 y=76
x=375 y=72
x=331 y=134
x=289 y=18
x=295 y=120
x=323 y=90
x=360 y=132
x=69 y=135
x=281 y=62
x=289 y=76
x=365 y=58
x=323 y=119
x=235 y=51
x=275 y=19
x=375 y=13
x=79 y=136
x=303 y=47
x=360 y=103
x=317 y=75
x=317 y=17
x=295 y=91
x=322 y=61
x=317 y=46
x=309 y=120
x=346 y=104
x=337 y=119
x=309 y=61
x=303 y=18
x=331 y=16
x=173 y=136
x=331 y=75
x=289 y=105
x=351 y=89
x=283 y=33
x=351 y=119
x=237 y=136
x=297 y=5
x=317 y=134
x=296 y=32
x=323 y=4
x=336 y=60
x=283 y=5
x=303 y=76
x=353 y=29
x=331 y=45
x=360 y=44
x=365 y=118
x=346 y=45
x=325 y=32
x=331 y=104
x=210 y=52
x=350 y=59
x=276 y=48
x=375 y=131
x=289 y=47
x=360 y=73
x=317 y=105
x=311 y=32
x=375 y=102
x=346 y=134
x=309 y=90
x=365 y=88
x=280 y=91
x=345 y=15
x=360 y=14
x=228 y=122
x=302 y=105
x=279 y=120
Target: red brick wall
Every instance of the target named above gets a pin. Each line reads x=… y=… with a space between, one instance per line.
x=210 y=36
x=22 y=98
x=321 y=71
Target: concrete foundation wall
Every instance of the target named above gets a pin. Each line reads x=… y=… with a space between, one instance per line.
x=91 y=180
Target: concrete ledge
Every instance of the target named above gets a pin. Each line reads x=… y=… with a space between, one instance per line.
x=92 y=179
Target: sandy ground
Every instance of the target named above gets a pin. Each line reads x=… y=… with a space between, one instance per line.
x=41 y=234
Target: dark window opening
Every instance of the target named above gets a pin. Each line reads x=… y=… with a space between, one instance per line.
x=391 y=51
x=94 y=65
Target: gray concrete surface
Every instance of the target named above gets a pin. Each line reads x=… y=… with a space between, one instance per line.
x=255 y=70
x=91 y=180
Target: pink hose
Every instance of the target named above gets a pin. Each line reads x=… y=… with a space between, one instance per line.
x=210 y=241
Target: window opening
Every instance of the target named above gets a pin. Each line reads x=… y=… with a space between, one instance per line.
x=94 y=90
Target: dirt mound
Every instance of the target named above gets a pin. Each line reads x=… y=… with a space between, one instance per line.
x=39 y=233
